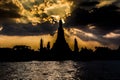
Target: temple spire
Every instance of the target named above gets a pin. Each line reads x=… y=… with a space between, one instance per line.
x=60 y=46
x=60 y=23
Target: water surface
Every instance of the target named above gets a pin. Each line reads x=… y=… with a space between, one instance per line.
x=55 y=70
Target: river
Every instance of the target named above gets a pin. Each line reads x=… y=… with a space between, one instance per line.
x=64 y=70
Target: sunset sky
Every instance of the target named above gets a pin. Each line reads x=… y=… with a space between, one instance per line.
x=91 y=22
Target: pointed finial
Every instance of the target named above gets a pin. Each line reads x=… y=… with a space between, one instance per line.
x=60 y=22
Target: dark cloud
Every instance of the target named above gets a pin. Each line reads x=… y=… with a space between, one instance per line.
x=28 y=29
x=106 y=17
x=9 y=14
x=89 y=4
x=9 y=10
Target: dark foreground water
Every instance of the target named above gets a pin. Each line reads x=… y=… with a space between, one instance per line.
x=66 y=70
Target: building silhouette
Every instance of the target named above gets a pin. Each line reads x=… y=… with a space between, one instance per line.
x=60 y=47
x=59 y=52
x=41 y=45
x=76 y=48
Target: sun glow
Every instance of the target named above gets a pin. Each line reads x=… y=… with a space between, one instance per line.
x=35 y=11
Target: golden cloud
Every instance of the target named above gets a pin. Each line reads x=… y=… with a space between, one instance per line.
x=112 y=35
x=42 y=11
x=105 y=3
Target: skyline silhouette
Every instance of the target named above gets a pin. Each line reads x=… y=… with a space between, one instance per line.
x=59 y=51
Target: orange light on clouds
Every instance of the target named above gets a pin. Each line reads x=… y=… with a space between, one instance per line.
x=52 y=9
x=34 y=41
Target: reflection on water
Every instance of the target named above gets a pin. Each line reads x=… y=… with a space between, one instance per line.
x=48 y=70
x=66 y=70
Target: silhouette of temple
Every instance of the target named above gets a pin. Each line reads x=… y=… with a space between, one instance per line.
x=60 y=51
x=60 y=47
